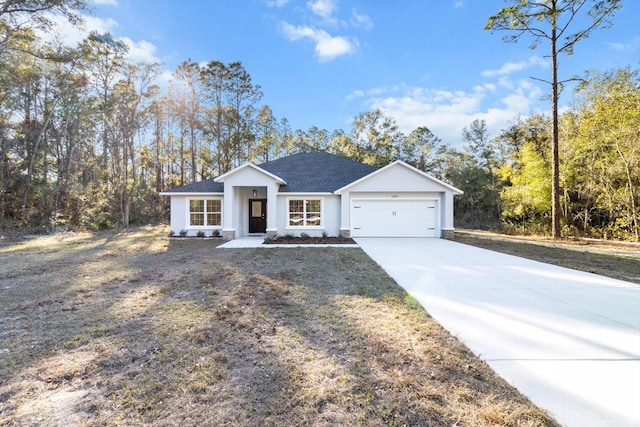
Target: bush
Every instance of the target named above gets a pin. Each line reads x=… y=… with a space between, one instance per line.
x=172 y=233
x=200 y=233
x=183 y=233
x=304 y=236
x=215 y=233
x=104 y=221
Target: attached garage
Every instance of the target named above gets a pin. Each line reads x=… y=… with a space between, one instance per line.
x=394 y=218
x=397 y=200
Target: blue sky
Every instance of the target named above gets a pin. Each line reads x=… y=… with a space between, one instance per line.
x=321 y=62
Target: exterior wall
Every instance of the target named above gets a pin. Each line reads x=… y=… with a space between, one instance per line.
x=330 y=215
x=179 y=219
x=396 y=182
x=399 y=181
x=447 y=214
x=241 y=208
x=238 y=189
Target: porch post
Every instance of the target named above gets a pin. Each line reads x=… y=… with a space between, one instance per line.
x=228 y=231
x=272 y=209
x=446 y=212
x=345 y=207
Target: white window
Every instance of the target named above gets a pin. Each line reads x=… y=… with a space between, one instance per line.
x=205 y=212
x=305 y=212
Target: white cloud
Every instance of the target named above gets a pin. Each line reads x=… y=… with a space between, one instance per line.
x=70 y=35
x=141 y=51
x=276 y=3
x=631 y=45
x=447 y=112
x=359 y=93
x=327 y=47
x=487 y=87
x=92 y=23
x=324 y=9
x=512 y=67
x=361 y=21
x=164 y=78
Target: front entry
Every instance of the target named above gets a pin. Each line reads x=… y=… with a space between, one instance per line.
x=257 y=216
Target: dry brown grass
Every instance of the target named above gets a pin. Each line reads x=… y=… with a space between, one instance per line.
x=619 y=260
x=134 y=329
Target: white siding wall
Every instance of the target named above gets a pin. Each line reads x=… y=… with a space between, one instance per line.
x=180 y=214
x=238 y=188
x=402 y=182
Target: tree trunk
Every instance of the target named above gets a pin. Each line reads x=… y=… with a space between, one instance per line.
x=555 y=168
x=632 y=196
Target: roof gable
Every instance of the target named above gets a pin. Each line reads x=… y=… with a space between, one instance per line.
x=250 y=166
x=396 y=174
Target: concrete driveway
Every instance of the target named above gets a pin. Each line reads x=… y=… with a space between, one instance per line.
x=568 y=340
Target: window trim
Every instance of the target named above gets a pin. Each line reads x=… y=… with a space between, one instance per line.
x=205 y=226
x=304 y=213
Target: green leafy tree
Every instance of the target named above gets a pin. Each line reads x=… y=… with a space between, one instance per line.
x=230 y=112
x=188 y=79
x=422 y=149
x=377 y=138
x=484 y=159
x=20 y=18
x=342 y=145
x=242 y=97
x=131 y=113
x=524 y=174
x=268 y=135
x=553 y=22
x=606 y=157
x=105 y=59
x=525 y=201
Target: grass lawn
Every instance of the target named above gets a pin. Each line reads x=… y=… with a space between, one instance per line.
x=132 y=328
x=619 y=260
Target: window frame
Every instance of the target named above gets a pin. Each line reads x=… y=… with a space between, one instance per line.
x=205 y=225
x=305 y=213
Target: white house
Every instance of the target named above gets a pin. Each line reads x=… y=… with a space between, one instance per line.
x=316 y=193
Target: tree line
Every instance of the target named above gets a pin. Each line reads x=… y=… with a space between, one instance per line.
x=87 y=139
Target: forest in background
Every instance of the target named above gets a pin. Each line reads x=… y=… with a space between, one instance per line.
x=88 y=139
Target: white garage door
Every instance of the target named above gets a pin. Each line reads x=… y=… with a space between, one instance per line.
x=393 y=218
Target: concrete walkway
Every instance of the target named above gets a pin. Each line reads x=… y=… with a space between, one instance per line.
x=568 y=340
x=243 y=242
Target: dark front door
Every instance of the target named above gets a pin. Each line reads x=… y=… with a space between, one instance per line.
x=257 y=215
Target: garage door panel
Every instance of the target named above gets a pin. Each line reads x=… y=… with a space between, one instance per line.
x=393 y=218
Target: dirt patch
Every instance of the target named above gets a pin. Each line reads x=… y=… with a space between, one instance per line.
x=136 y=329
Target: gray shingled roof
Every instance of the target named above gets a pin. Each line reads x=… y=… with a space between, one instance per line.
x=317 y=172
x=205 y=186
